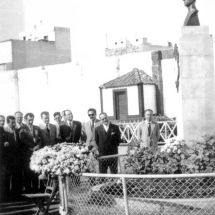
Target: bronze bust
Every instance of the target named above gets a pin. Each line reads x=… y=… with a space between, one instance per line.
x=192 y=18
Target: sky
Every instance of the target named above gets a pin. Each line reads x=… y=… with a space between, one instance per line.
x=159 y=20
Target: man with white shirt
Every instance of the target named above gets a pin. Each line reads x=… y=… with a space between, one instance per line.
x=19 y=120
x=89 y=127
x=48 y=131
x=149 y=132
x=107 y=137
x=58 y=123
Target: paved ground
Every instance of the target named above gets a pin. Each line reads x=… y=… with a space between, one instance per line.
x=23 y=207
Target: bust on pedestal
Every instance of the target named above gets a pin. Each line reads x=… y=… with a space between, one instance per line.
x=197 y=84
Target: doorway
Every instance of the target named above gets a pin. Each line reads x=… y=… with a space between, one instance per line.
x=120 y=104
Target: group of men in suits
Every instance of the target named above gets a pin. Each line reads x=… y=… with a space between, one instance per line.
x=19 y=140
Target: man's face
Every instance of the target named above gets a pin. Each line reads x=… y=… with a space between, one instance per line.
x=12 y=124
x=2 y=121
x=104 y=119
x=30 y=120
x=19 y=118
x=45 y=119
x=148 y=116
x=188 y=2
x=92 y=115
x=69 y=115
x=58 y=118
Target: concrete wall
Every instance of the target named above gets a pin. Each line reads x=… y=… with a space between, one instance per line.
x=150 y=97
x=133 y=105
x=171 y=96
x=132 y=93
x=27 y=54
x=5 y=52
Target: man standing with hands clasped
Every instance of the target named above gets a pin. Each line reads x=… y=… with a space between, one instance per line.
x=149 y=132
x=107 y=137
x=89 y=127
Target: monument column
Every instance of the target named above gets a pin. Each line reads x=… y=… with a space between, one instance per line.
x=197 y=84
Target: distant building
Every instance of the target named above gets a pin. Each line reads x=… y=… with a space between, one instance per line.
x=19 y=54
x=158 y=62
x=126 y=97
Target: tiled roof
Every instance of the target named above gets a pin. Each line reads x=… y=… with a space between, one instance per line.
x=132 y=78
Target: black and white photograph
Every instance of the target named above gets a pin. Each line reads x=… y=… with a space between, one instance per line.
x=107 y=107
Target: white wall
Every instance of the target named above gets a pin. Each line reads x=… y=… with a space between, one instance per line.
x=132 y=93
x=5 y=52
x=150 y=98
x=171 y=97
x=8 y=92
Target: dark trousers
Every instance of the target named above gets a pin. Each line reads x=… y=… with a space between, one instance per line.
x=13 y=180
x=30 y=179
x=112 y=163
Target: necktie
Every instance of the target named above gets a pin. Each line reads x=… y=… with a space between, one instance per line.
x=48 y=130
x=149 y=129
x=14 y=133
x=92 y=126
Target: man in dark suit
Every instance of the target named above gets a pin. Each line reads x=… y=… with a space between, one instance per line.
x=107 y=137
x=58 y=123
x=12 y=159
x=19 y=119
x=48 y=131
x=30 y=139
x=71 y=130
x=3 y=144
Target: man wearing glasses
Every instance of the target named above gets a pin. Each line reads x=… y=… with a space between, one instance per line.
x=89 y=128
x=107 y=137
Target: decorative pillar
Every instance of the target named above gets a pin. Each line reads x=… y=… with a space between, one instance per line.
x=140 y=87
x=101 y=98
x=157 y=77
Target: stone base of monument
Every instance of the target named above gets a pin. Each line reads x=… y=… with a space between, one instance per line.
x=197 y=83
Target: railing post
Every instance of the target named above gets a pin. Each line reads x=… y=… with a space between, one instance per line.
x=125 y=195
x=63 y=209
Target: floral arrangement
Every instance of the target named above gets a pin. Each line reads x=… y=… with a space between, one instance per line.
x=63 y=159
x=173 y=158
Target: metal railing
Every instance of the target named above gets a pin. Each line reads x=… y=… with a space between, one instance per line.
x=112 y=194
x=168 y=129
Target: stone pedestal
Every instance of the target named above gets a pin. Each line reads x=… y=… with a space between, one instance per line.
x=197 y=83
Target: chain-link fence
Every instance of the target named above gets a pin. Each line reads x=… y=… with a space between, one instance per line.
x=113 y=164
x=112 y=194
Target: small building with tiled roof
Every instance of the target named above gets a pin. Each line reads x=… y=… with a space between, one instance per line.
x=126 y=97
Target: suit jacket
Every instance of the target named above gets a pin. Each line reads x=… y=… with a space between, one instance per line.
x=71 y=135
x=48 y=139
x=148 y=141
x=30 y=141
x=90 y=134
x=2 y=148
x=12 y=153
x=109 y=141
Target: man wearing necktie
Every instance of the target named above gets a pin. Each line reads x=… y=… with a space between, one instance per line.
x=89 y=127
x=108 y=138
x=58 y=123
x=148 y=131
x=71 y=129
x=48 y=131
x=30 y=139
x=13 y=180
